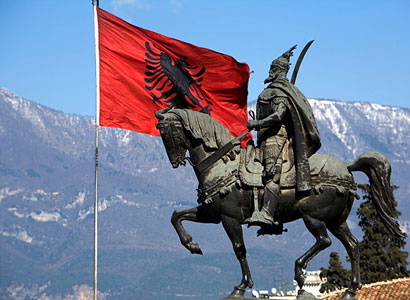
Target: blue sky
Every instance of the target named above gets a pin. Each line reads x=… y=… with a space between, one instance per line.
x=361 y=50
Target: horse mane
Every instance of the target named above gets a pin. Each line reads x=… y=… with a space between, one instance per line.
x=203 y=127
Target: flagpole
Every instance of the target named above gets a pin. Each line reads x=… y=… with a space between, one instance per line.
x=97 y=123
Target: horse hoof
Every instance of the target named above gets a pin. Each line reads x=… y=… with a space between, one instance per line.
x=236 y=293
x=194 y=248
x=348 y=295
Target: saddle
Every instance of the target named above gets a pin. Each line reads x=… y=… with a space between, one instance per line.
x=251 y=169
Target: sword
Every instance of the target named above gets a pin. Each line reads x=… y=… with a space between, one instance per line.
x=272 y=168
x=300 y=58
x=211 y=159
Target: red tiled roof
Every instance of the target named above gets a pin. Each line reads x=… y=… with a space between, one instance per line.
x=396 y=289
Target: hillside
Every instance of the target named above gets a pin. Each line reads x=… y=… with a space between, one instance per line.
x=46 y=205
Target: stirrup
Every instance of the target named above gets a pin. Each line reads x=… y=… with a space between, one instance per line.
x=261 y=218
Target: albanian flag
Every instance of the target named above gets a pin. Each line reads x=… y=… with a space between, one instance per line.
x=142 y=71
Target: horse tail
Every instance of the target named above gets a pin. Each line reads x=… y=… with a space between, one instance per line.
x=378 y=170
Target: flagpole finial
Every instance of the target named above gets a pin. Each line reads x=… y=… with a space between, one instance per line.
x=95 y=2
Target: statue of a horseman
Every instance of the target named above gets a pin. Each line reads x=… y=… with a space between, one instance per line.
x=279 y=181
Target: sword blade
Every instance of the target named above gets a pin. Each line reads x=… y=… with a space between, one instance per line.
x=298 y=63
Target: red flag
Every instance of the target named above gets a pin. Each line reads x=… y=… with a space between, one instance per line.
x=142 y=71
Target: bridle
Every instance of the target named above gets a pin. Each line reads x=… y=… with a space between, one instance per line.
x=171 y=132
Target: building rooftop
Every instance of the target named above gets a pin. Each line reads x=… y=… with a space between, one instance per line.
x=313 y=279
x=396 y=289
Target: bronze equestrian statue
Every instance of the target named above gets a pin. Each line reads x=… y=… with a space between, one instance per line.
x=232 y=179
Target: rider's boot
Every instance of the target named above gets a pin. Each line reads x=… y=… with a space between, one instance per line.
x=271 y=199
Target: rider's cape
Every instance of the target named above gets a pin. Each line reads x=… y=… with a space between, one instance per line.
x=306 y=134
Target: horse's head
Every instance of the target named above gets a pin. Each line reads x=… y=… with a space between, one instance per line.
x=173 y=136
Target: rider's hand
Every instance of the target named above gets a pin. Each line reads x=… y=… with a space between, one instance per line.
x=253 y=124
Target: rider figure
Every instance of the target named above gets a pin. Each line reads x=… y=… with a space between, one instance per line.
x=283 y=118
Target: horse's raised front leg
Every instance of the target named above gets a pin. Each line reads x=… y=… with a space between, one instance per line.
x=318 y=229
x=191 y=214
x=234 y=230
x=342 y=232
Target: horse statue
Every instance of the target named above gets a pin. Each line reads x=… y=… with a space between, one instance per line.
x=230 y=188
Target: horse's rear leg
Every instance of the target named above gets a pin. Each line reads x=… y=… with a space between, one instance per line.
x=318 y=229
x=191 y=214
x=342 y=232
x=234 y=230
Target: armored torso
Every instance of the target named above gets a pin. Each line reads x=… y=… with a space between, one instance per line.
x=268 y=103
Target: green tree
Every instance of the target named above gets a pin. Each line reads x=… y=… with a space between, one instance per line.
x=381 y=254
x=337 y=276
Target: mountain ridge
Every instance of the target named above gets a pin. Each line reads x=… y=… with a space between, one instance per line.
x=46 y=200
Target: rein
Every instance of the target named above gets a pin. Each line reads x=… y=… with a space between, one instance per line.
x=214 y=157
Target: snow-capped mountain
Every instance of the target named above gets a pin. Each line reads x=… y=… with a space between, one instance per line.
x=46 y=200
x=363 y=126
